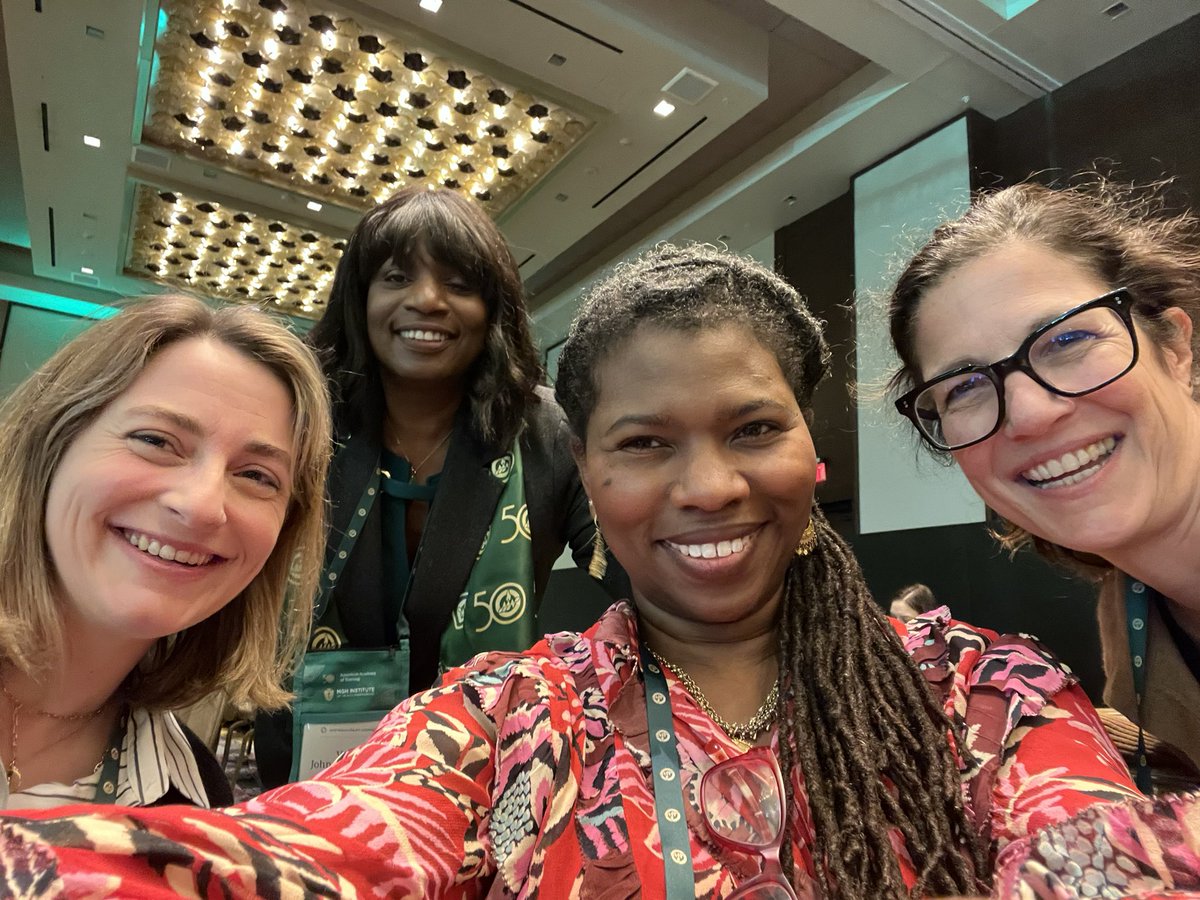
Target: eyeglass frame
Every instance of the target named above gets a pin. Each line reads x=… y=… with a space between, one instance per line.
x=769 y=853
x=1119 y=301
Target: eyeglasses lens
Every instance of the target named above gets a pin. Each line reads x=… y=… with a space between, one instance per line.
x=743 y=804
x=1079 y=354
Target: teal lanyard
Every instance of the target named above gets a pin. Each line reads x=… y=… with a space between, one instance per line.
x=1137 y=608
x=668 y=794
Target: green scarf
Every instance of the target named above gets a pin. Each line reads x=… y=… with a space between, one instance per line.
x=496 y=611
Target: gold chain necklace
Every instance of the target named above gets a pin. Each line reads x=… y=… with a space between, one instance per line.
x=743 y=732
x=413 y=469
x=12 y=774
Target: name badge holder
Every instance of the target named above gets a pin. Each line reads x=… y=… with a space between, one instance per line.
x=341 y=695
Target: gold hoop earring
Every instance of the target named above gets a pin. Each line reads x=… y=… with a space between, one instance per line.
x=808 y=540
x=599 y=563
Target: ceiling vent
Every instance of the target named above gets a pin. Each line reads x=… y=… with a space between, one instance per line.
x=151 y=159
x=689 y=86
x=89 y=280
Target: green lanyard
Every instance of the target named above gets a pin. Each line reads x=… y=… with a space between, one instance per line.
x=110 y=764
x=1137 y=608
x=668 y=795
x=346 y=545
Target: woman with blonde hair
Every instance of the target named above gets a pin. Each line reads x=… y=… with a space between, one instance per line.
x=160 y=474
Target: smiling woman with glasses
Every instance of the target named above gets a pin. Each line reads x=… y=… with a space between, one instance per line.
x=1084 y=435
x=747 y=725
x=1080 y=351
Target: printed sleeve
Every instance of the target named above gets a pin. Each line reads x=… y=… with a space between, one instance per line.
x=1031 y=748
x=404 y=815
x=1056 y=761
x=1144 y=848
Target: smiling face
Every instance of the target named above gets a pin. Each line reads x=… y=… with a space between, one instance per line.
x=701 y=470
x=425 y=323
x=1103 y=473
x=169 y=503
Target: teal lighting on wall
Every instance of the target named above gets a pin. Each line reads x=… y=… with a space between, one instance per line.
x=1008 y=9
x=66 y=305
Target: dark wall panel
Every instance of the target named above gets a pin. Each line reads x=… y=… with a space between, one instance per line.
x=1138 y=116
x=816 y=256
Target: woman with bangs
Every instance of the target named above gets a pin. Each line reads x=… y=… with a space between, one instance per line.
x=453 y=486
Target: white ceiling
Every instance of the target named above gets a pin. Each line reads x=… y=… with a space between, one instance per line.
x=809 y=92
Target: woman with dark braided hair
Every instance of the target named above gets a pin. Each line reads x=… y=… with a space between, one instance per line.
x=748 y=726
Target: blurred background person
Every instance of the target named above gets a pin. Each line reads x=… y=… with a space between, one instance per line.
x=909 y=602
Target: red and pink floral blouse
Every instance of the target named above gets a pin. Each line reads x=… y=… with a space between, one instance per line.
x=528 y=776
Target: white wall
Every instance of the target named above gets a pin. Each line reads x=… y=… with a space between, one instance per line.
x=897 y=203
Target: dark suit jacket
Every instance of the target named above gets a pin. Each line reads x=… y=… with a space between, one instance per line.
x=458 y=520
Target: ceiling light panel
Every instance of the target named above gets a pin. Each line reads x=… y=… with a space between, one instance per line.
x=219 y=251
x=312 y=101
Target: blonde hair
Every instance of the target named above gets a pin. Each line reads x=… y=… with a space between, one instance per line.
x=250 y=645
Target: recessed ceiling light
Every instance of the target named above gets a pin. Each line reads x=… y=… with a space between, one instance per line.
x=91 y=141
x=315 y=206
x=431 y=5
x=86 y=270
x=664 y=108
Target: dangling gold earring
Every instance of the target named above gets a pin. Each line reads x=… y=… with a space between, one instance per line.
x=808 y=540
x=599 y=564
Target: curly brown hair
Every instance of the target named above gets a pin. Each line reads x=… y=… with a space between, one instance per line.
x=1122 y=233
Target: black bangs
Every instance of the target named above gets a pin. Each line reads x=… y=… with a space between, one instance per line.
x=426 y=225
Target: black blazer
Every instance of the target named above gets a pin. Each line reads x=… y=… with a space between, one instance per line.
x=458 y=520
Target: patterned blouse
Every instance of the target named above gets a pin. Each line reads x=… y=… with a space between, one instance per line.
x=528 y=775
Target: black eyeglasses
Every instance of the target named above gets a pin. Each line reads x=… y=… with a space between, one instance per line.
x=1081 y=351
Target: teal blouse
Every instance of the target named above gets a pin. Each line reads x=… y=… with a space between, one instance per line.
x=398 y=492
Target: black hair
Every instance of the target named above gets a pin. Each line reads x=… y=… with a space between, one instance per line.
x=458 y=235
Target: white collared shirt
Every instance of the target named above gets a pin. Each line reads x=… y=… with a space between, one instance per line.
x=154 y=757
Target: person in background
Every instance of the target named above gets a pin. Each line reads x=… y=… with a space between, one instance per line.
x=1048 y=344
x=912 y=601
x=453 y=486
x=160 y=473
x=701 y=740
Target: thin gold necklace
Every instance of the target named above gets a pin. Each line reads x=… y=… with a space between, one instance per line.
x=413 y=469
x=12 y=774
x=742 y=732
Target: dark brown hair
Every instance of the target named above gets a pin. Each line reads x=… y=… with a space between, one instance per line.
x=456 y=234
x=873 y=749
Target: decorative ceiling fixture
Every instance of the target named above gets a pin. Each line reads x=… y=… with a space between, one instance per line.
x=222 y=252
x=331 y=109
